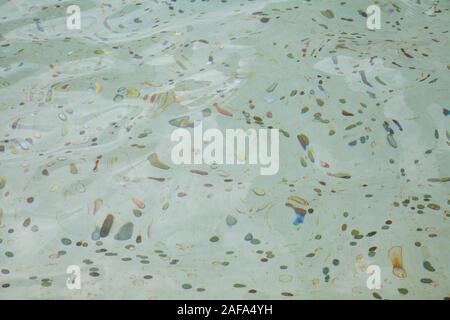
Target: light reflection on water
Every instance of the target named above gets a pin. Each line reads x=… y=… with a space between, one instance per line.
x=82 y=110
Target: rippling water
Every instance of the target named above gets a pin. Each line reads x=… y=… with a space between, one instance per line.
x=82 y=110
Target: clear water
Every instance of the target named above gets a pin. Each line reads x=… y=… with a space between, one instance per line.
x=82 y=110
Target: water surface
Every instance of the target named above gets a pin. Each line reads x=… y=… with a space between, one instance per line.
x=364 y=138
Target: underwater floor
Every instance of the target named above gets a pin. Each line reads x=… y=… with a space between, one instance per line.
x=359 y=208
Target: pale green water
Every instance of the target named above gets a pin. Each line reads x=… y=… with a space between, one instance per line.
x=71 y=97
